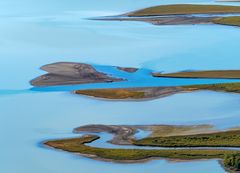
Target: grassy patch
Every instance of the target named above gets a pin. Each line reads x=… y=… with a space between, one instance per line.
x=219 y=139
x=232 y=162
x=112 y=93
x=231 y=158
x=226 y=87
x=233 y=20
x=171 y=130
x=154 y=92
x=76 y=145
x=228 y=74
x=185 y=9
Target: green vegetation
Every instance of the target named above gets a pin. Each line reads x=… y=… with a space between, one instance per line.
x=233 y=20
x=226 y=87
x=185 y=9
x=232 y=161
x=176 y=130
x=112 y=93
x=218 y=139
x=155 y=92
x=76 y=145
x=231 y=158
x=227 y=74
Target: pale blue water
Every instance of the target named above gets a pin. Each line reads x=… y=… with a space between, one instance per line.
x=141 y=78
x=35 y=33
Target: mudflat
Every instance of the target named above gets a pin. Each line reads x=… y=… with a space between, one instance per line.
x=69 y=73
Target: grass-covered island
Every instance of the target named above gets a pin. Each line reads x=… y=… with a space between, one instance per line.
x=222 y=74
x=177 y=14
x=156 y=92
x=229 y=157
x=233 y=20
x=131 y=93
x=179 y=9
x=222 y=87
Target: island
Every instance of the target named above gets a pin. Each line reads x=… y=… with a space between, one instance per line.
x=201 y=145
x=178 y=14
x=128 y=69
x=143 y=93
x=181 y=9
x=69 y=73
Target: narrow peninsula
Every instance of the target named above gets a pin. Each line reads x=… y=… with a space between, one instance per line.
x=216 y=74
x=183 y=14
x=211 y=145
x=156 y=92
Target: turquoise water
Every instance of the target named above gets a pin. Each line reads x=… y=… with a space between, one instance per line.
x=37 y=33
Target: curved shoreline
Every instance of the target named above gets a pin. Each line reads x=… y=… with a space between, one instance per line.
x=77 y=146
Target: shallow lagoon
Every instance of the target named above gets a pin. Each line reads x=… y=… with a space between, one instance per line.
x=36 y=33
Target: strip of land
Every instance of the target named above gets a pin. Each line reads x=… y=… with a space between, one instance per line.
x=165 y=20
x=218 y=139
x=156 y=92
x=183 y=14
x=221 y=139
x=180 y=9
x=217 y=74
x=228 y=0
x=131 y=93
x=233 y=21
x=221 y=87
x=76 y=145
x=69 y=73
